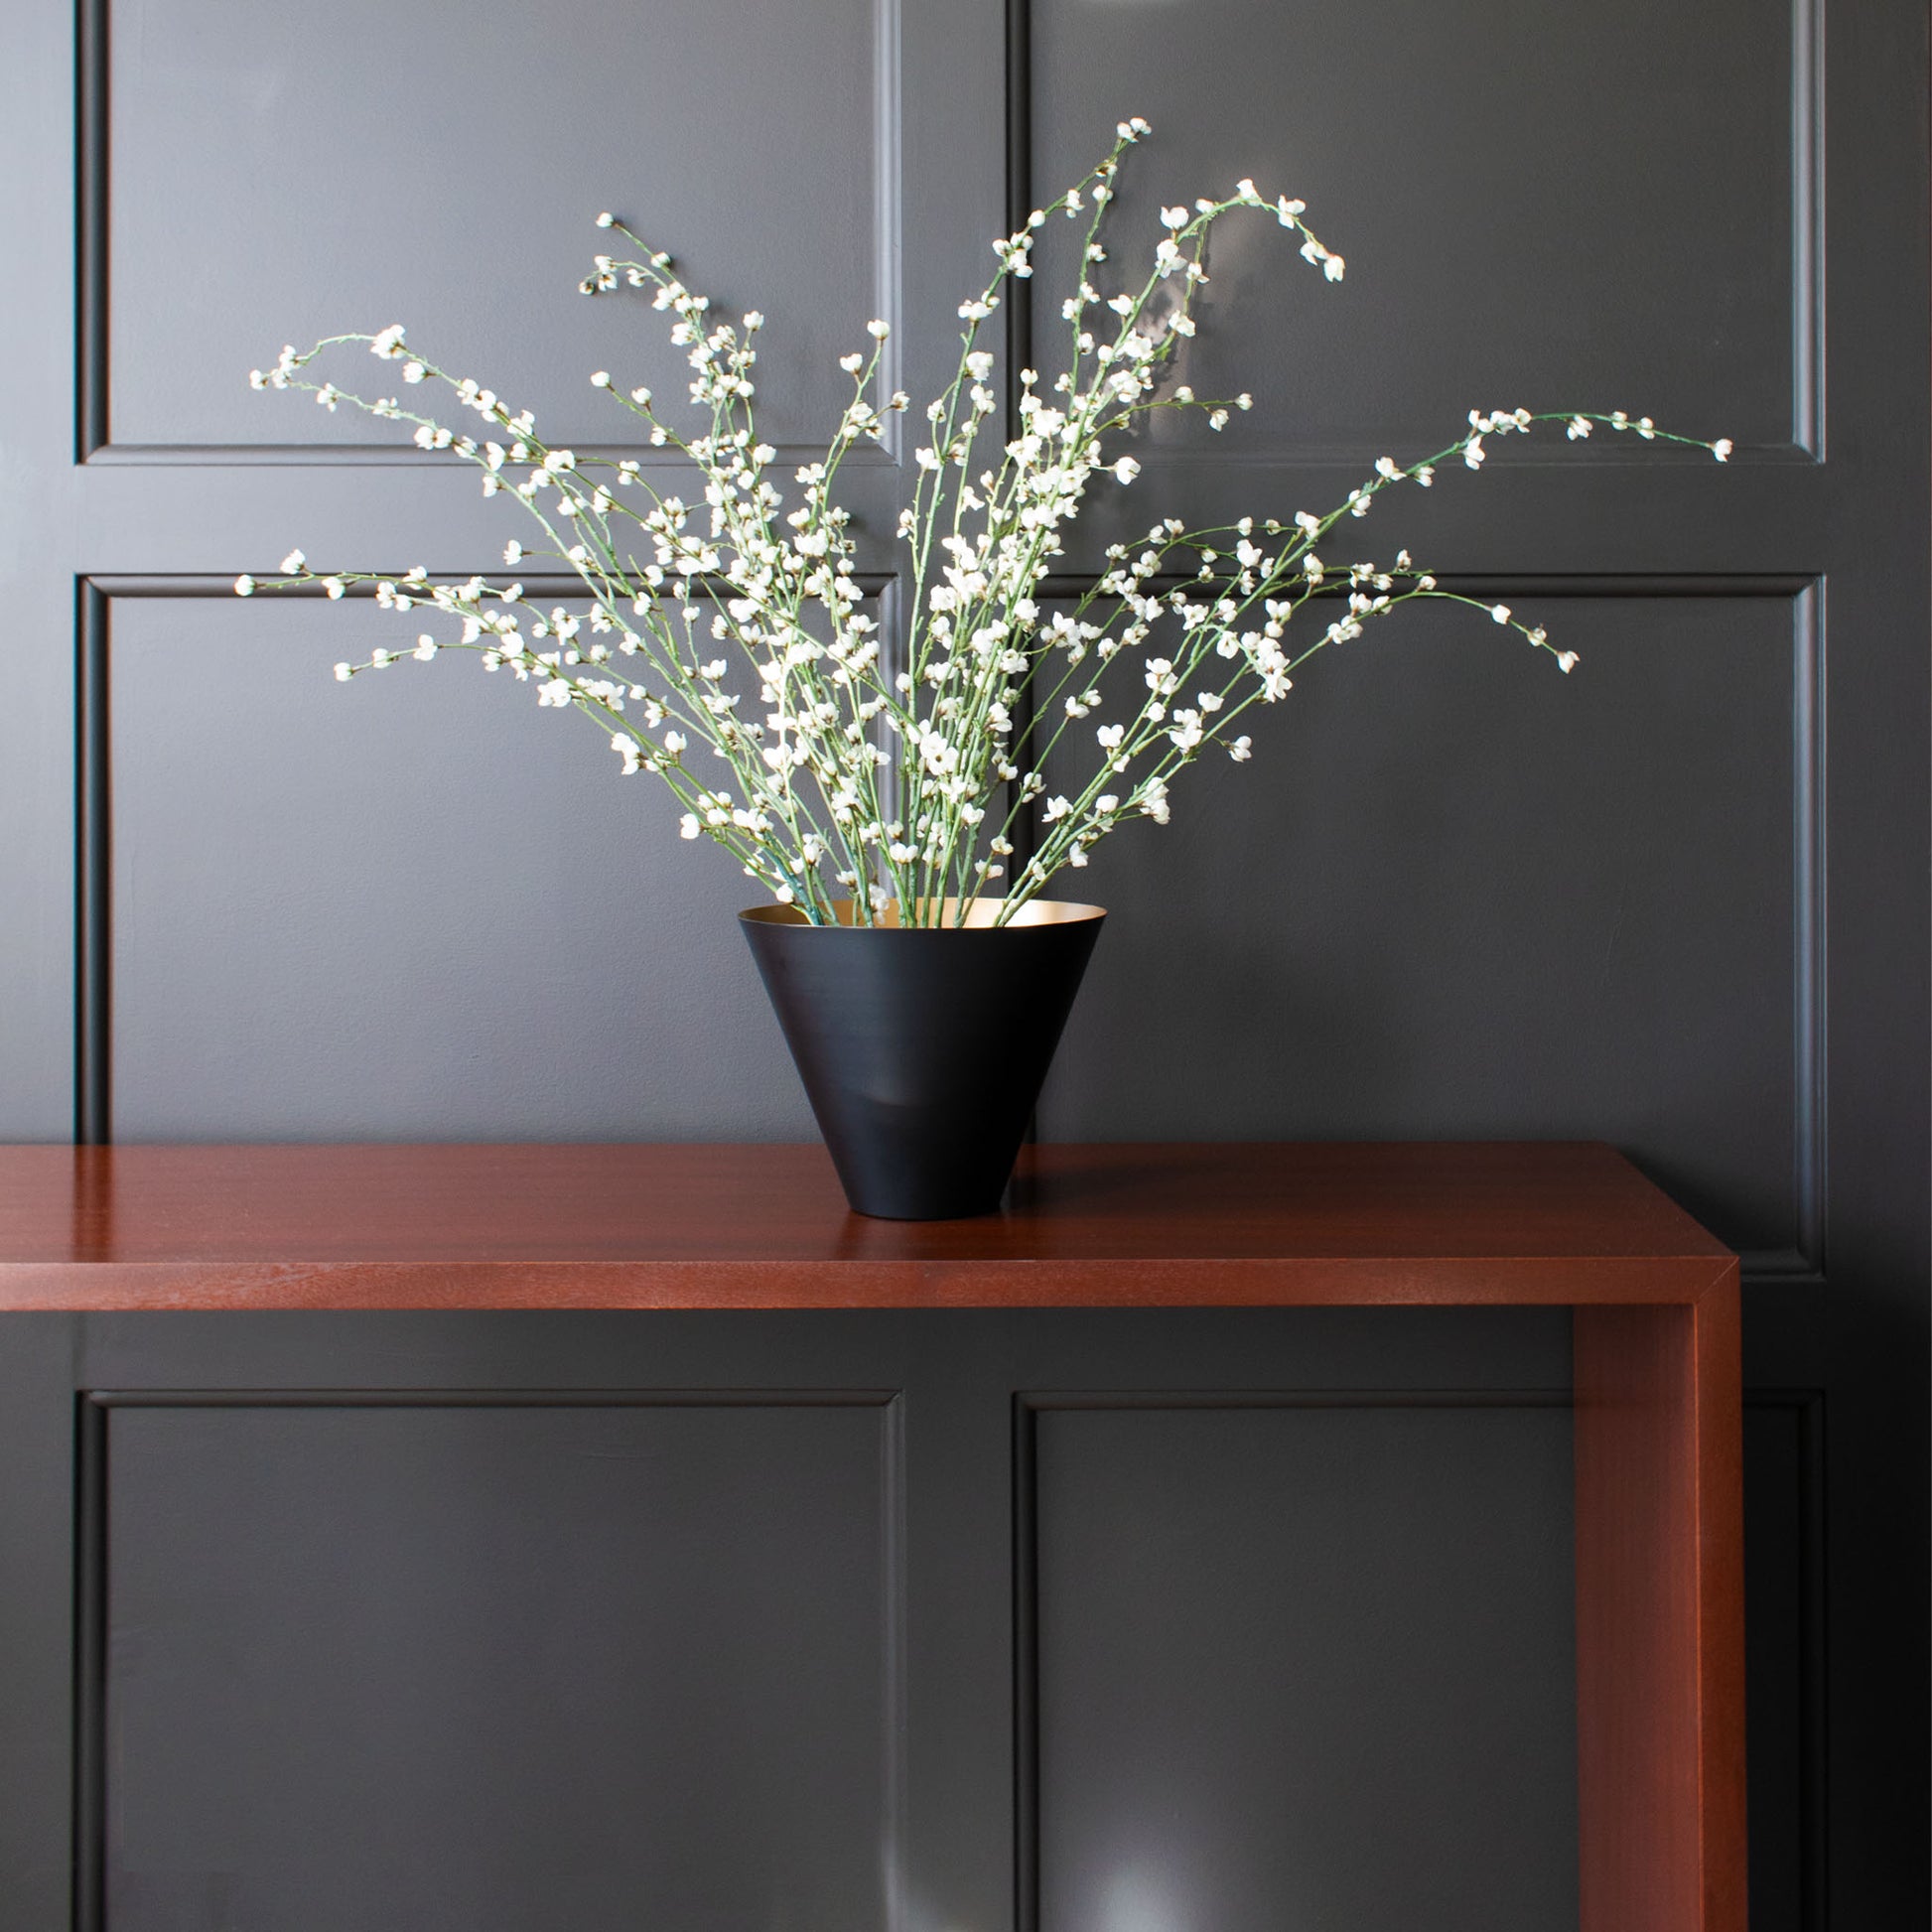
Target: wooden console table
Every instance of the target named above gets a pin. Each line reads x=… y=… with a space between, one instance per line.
x=134 y=1273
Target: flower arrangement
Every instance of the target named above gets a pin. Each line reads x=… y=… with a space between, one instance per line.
x=903 y=775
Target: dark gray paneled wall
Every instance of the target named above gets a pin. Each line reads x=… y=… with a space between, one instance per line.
x=1214 y=1753
x=1678 y=900
x=1439 y=939
x=515 y=1666
x=236 y=213
x=505 y=1622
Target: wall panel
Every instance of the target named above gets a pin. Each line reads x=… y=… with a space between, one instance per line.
x=415 y=907
x=1456 y=894
x=1593 y=206
x=279 y=175
x=1304 y=1665
x=481 y=1666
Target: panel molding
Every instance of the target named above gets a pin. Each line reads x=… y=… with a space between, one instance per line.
x=1808 y=230
x=404 y=456
x=90 y=262
x=1806 y=1407
x=1806 y=444
x=94 y=372
x=1028 y=1407
x=93 y=807
x=90 y=1546
x=93 y=871
x=1803 y=1263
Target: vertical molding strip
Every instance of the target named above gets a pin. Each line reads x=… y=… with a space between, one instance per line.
x=895 y=1697
x=1805 y=1261
x=1020 y=188
x=1806 y=1407
x=1814 y=1729
x=89 y=1749
x=1807 y=227
x=887 y=237
x=1808 y=922
x=1020 y=355
x=894 y=626
x=92 y=871
x=1025 y=1665
x=91 y=227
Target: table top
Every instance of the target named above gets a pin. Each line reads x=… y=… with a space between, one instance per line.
x=705 y=1226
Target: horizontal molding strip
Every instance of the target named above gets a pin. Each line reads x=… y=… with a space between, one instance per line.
x=561 y=584
x=1598 y=583
x=1623 y=583
x=1051 y=1401
x=735 y=1397
x=1619 y=456
x=404 y=455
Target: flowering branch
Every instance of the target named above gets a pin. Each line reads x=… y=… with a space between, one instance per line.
x=877 y=774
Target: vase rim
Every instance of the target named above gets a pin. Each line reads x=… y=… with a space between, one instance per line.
x=980 y=915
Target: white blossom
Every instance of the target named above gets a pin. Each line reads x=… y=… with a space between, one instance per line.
x=728 y=618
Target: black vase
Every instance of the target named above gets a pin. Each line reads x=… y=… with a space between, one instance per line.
x=922 y=1049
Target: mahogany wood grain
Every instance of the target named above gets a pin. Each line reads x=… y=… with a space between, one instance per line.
x=609 y=1226
x=1657 y=1388
x=1660 y=1626
x=1636 y=1616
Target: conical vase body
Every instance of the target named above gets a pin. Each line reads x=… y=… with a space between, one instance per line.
x=922 y=1049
